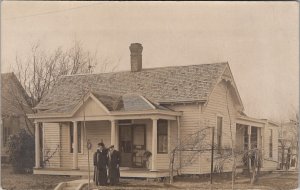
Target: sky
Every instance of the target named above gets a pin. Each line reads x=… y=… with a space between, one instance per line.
x=259 y=40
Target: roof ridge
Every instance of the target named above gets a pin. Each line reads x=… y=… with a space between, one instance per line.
x=143 y=69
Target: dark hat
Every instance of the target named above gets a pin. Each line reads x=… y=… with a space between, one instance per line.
x=111 y=146
x=101 y=144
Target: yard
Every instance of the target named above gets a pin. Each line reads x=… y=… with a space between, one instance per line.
x=282 y=181
x=11 y=181
x=274 y=181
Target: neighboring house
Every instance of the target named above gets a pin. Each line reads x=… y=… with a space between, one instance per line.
x=15 y=105
x=146 y=109
x=288 y=145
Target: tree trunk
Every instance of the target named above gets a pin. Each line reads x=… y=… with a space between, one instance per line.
x=171 y=166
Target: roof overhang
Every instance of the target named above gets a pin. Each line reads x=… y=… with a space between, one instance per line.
x=151 y=114
x=182 y=102
x=245 y=120
x=233 y=84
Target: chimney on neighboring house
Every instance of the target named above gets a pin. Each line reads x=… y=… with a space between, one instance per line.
x=136 y=57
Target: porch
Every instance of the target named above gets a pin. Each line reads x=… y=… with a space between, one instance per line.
x=124 y=172
x=249 y=135
x=131 y=123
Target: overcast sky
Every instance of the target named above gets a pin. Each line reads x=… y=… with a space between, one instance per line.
x=259 y=40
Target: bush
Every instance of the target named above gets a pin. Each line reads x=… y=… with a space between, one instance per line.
x=20 y=148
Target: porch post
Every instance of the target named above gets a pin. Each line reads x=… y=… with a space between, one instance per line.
x=249 y=143
x=117 y=137
x=75 y=145
x=113 y=133
x=169 y=135
x=154 y=143
x=37 y=145
x=259 y=138
x=179 y=140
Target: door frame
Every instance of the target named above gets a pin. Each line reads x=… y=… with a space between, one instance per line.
x=133 y=126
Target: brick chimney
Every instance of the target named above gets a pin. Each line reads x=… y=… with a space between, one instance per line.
x=136 y=57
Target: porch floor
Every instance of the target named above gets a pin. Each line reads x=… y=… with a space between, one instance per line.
x=124 y=172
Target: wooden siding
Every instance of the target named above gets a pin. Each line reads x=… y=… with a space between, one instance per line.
x=270 y=163
x=90 y=108
x=51 y=144
x=196 y=117
x=98 y=131
x=95 y=131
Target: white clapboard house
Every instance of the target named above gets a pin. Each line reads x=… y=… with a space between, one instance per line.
x=143 y=110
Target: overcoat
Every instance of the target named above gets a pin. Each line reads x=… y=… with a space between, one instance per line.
x=113 y=165
x=100 y=165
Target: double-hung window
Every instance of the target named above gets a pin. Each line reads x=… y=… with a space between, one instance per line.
x=219 y=134
x=162 y=136
x=271 y=144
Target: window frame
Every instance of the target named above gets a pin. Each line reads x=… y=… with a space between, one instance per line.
x=270 y=143
x=219 y=141
x=160 y=124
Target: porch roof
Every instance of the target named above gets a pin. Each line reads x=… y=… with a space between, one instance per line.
x=128 y=105
x=246 y=120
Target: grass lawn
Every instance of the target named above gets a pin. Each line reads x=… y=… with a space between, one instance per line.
x=284 y=181
x=11 y=181
x=275 y=181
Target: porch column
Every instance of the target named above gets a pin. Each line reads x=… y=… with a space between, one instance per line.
x=259 y=138
x=249 y=137
x=169 y=135
x=117 y=137
x=154 y=144
x=179 y=140
x=37 y=145
x=249 y=144
x=113 y=133
x=75 y=145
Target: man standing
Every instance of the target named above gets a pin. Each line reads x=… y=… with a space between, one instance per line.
x=113 y=165
x=100 y=164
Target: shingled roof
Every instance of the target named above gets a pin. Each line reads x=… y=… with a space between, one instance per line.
x=158 y=85
x=14 y=99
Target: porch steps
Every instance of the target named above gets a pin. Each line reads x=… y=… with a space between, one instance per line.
x=72 y=185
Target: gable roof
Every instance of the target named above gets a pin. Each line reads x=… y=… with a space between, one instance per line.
x=157 y=85
x=14 y=99
x=127 y=102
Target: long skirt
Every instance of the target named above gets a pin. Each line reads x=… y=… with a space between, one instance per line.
x=114 y=175
x=100 y=176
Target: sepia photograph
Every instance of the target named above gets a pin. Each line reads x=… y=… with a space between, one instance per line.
x=149 y=95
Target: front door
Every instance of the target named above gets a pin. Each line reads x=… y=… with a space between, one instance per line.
x=132 y=145
x=125 y=145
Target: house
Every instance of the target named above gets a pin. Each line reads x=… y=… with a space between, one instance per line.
x=146 y=110
x=288 y=145
x=15 y=104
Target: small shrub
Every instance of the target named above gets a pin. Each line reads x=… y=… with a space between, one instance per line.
x=20 y=148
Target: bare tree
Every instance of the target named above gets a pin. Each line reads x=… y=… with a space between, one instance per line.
x=40 y=70
x=192 y=145
x=295 y=135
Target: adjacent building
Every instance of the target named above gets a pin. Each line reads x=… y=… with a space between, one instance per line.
x=15 y=104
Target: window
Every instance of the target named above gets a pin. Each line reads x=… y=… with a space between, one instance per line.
x=219 y=134
x=271 y=144
x=79 y=135
x=162 y=136
x=6 y=133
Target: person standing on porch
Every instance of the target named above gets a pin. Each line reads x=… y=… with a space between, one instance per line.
x=114 y=165
x=100 y=165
